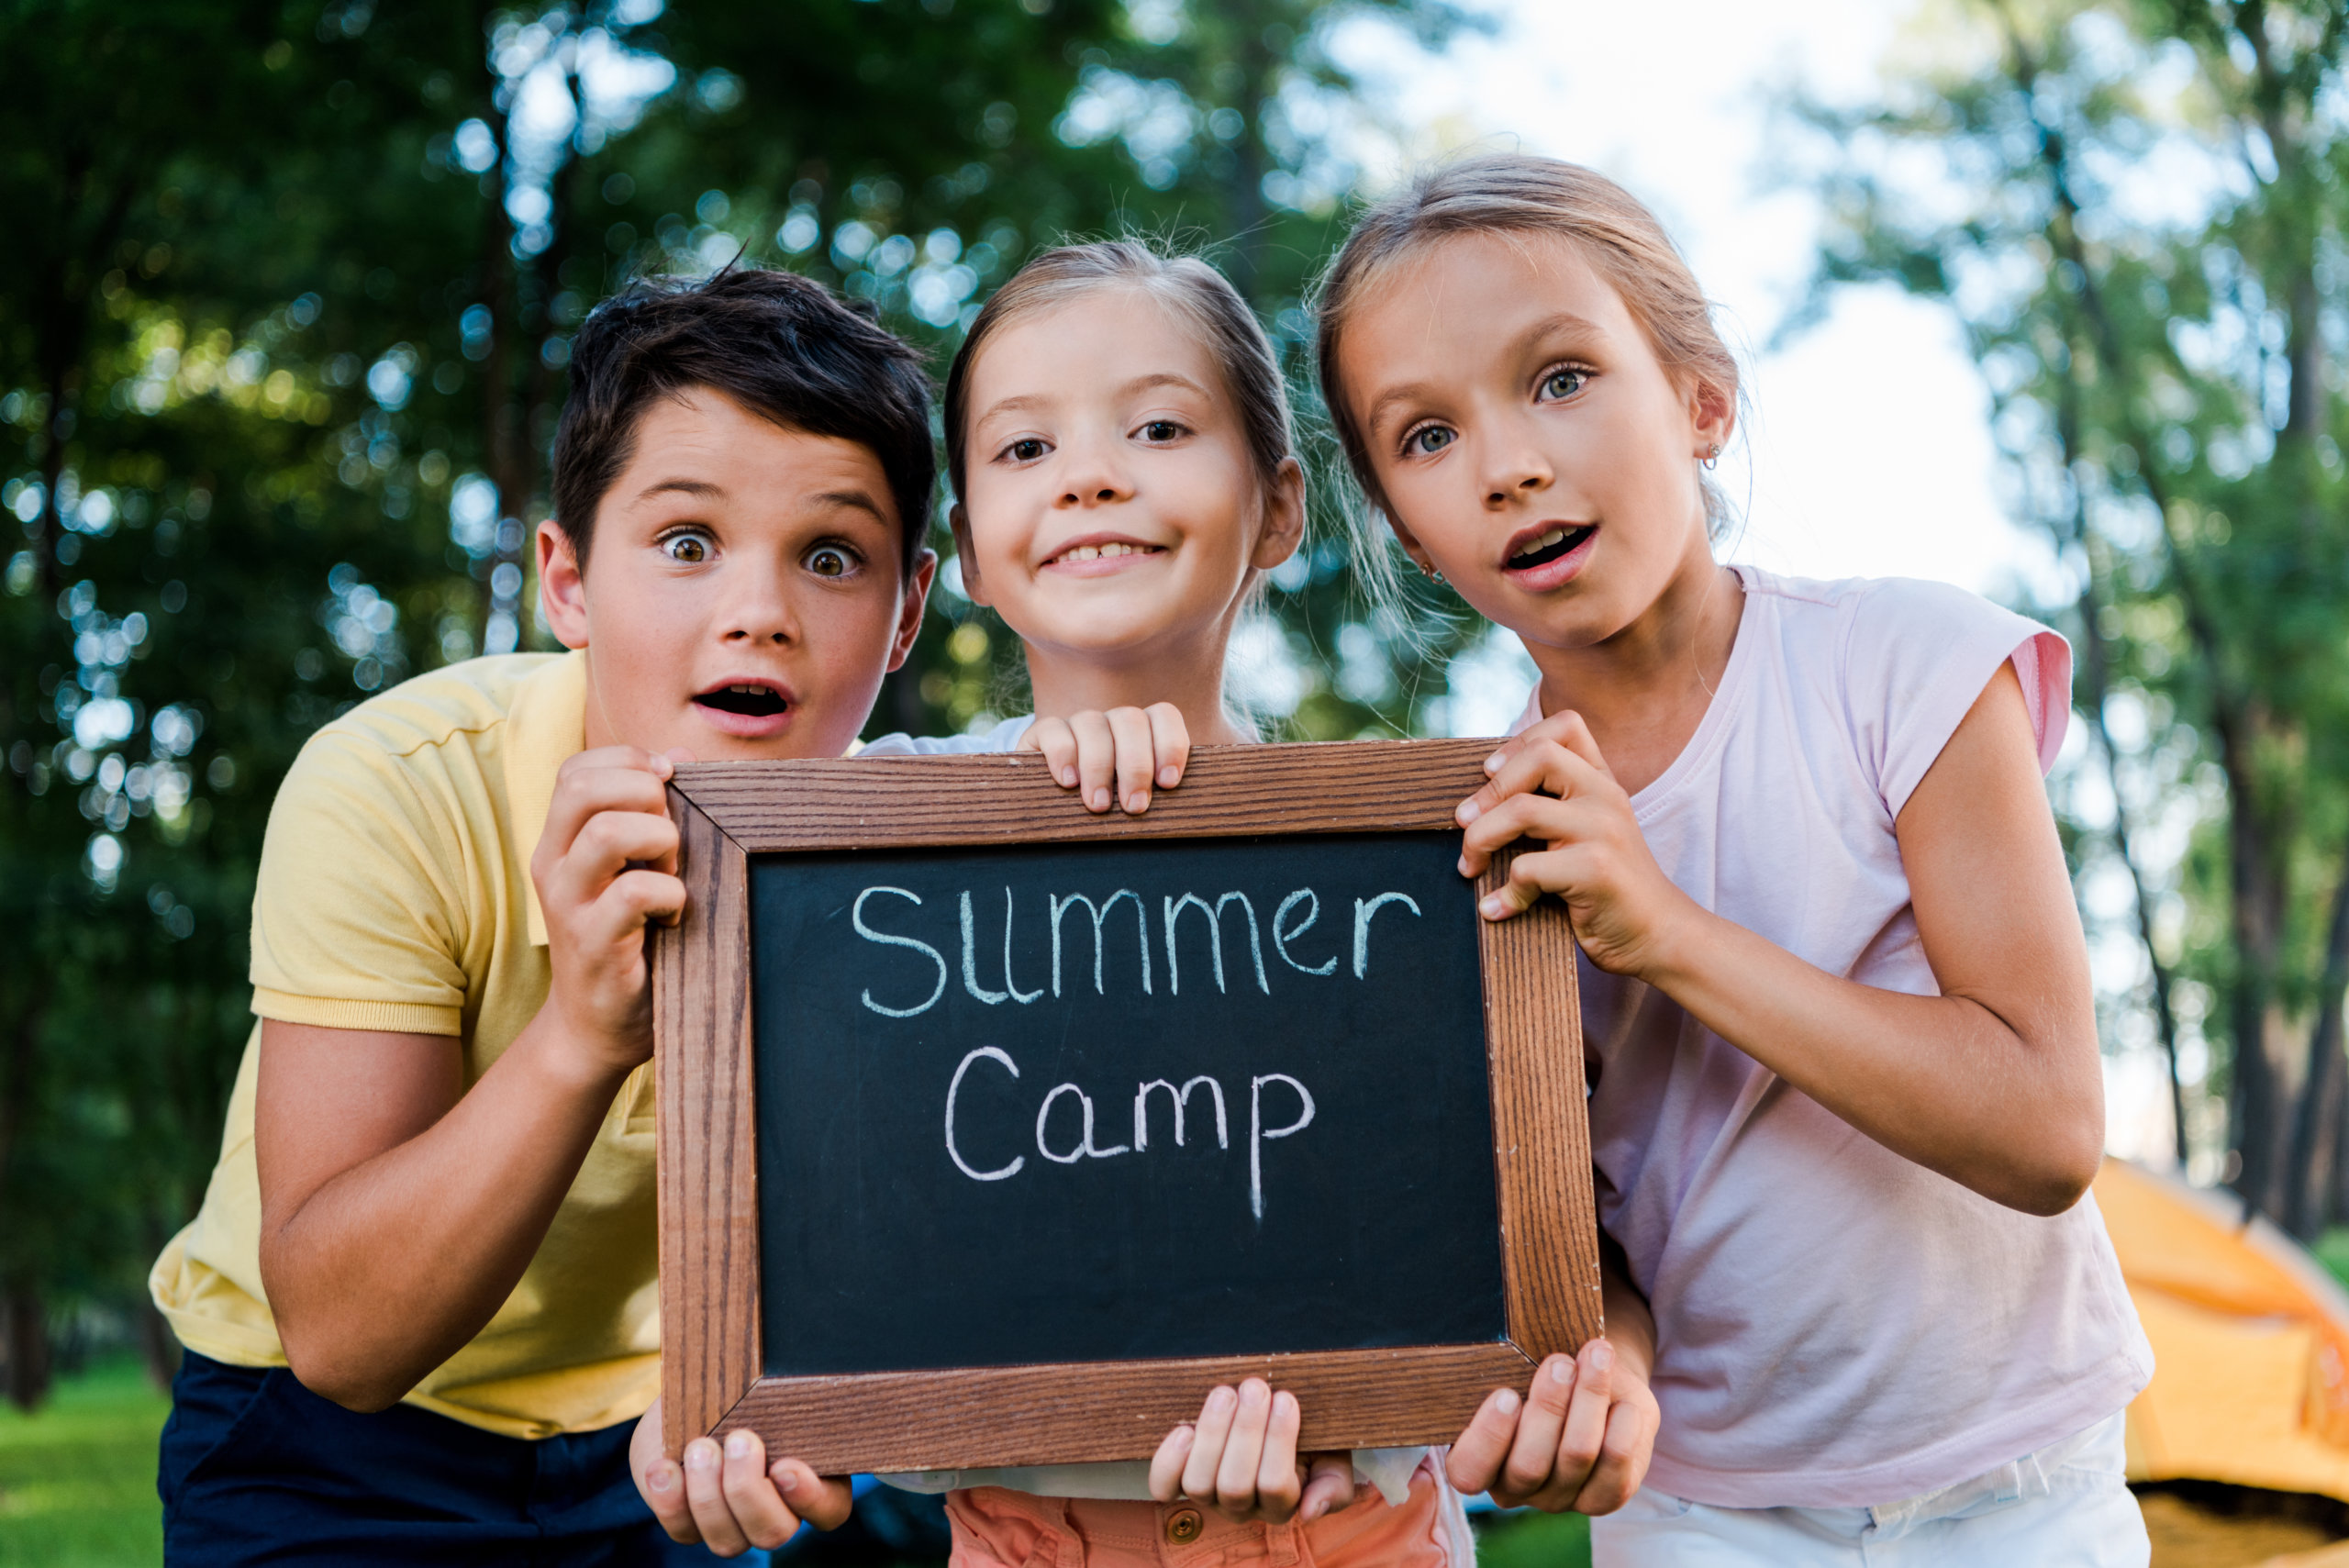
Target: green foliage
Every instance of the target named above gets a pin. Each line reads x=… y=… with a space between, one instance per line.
x=2137 y=212
x=280 y=358
x=77 y=1479
x=1531 y=1540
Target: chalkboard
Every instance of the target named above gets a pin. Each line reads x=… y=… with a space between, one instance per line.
x=995 y=1132
x=1240 y=1104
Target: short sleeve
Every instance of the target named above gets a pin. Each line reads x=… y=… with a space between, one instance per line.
x=359 y=913
x=1916 y=659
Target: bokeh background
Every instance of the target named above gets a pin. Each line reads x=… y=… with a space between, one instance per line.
x=2046 y=298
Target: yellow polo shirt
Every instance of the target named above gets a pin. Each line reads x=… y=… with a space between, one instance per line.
x=395 y=894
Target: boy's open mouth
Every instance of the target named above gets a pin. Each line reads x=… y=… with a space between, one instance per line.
x=1548 y=546
x=750 y=701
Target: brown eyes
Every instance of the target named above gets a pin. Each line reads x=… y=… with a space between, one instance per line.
x=689 y=549
x=1162 y=430
x=829 y=562
x=1026 y=451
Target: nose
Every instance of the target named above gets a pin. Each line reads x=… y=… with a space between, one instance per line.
x=1515 y=469
x=1094 y=476
x=755 y=607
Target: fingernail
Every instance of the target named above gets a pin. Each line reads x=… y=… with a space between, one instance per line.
x=1562 y=1369
x=790 y=1482
x=1508 y=1402
x=1467 y=813
x=701 y=1454
x=661 y=1478
x=1100 y=800
x=1138 y=802
x=1068 y=777
x=1493 y=764
x=1253 y=1391
x=1494 y=908
x=1602 y=1356
x=1169 y=776
x=1222 y=1399
x=738 y=1445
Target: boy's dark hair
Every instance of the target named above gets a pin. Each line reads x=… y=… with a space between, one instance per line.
x=775 y=343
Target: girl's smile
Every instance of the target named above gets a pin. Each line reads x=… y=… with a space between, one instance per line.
x=1102 y=555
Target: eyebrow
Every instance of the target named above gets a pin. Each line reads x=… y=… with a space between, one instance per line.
x=851 y=501
x=701 y=488
x=1027 y=400
x=1564 y=321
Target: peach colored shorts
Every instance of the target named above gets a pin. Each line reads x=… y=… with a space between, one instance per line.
x=998 y=1528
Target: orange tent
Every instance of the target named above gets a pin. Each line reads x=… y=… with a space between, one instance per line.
x=2250 y=1341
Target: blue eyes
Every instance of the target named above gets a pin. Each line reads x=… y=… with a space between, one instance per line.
x=1562 y=383
x=1429 y=440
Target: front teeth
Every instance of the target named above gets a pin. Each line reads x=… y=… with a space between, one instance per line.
x=748 y=691
x=1102 y=551
x=1534 y=547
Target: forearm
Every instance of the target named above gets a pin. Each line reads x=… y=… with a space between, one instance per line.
x=387 y=1269
x=2014 y=1113
x=1631 y=1323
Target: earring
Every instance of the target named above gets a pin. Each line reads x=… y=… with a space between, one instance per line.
x=1429 y=573
x=1712 y=458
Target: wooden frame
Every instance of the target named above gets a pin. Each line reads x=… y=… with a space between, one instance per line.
x=711 y=1376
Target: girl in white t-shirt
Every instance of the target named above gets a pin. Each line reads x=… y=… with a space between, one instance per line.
x=1845 y=1095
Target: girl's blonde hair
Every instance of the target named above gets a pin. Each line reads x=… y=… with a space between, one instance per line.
x=1196 y=292
x=1509 y=193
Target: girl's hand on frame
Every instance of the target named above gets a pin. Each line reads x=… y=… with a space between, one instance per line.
x=731 y=1499
x=1579 y=1440
x=1553 y=786
x=1127 y=747
x=1241 y=1460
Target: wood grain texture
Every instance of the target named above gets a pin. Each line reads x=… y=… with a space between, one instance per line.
x=1075 y=1412
x=705 y=1141
x=1008 y=797
x=1540 y=1124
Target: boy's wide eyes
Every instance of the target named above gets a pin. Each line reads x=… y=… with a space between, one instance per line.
x=830 y=561
x=688 y=549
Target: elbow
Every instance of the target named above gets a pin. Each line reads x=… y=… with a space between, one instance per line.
x=2068 y=1163
x=332 y=1371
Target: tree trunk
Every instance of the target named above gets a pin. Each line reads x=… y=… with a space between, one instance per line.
x=2316 y=1133
x=24 y=1320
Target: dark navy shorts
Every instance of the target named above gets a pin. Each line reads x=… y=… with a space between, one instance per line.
x=255 y=1468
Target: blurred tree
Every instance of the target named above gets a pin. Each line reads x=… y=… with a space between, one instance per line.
x=281 y=350
x=2136 y=209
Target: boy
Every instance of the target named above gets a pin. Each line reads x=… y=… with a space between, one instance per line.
x=420 y=1302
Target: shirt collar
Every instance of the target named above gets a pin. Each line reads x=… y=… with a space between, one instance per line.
x=546 y=724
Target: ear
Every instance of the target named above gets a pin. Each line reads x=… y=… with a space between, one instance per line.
x=1712 y=412
x=973 y=588
x=1284 y=517
x=563 y=586
x=910 y=609
x=1411 y=543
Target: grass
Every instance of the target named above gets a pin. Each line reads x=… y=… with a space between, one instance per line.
x=1532 y=1539
x=77 y=1477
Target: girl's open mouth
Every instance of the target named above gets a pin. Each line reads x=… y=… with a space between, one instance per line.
x=1099 y=554
x=1555 y=543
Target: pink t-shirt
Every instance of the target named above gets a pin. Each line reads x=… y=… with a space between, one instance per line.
x=1837 y=1327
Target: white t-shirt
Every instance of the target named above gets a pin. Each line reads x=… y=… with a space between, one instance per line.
x=1388 y=1469
x=1836 y=1326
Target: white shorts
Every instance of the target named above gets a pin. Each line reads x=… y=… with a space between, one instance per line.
x=2066 y=1506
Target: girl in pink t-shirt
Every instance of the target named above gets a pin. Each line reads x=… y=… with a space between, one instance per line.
x=1845 y=1095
